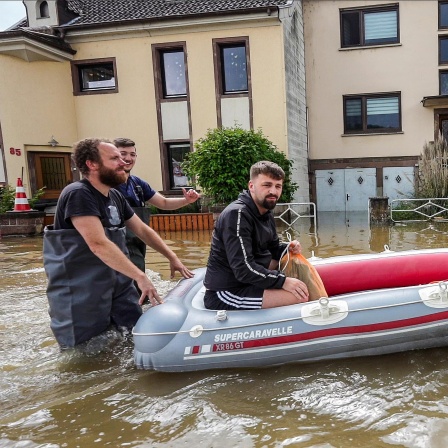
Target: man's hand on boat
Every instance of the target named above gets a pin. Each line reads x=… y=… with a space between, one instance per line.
x=296 y=287
x=294 y=247
x=149 y=290
x=177 y=265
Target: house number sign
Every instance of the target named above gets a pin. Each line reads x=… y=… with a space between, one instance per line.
x=16 y=151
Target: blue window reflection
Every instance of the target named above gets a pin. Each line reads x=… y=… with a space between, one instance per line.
x=234 y=69
x=173 y=74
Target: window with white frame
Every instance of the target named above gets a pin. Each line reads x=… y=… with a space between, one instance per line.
x=372 y=113
x=369 y=26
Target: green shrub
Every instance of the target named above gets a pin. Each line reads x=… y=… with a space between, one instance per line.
x=36 y=196
x=221 y=163
x=8 y=196
x=404 y=211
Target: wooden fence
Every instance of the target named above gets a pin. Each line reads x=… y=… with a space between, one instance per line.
x=184 y=221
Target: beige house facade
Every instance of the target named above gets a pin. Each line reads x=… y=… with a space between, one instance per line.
x=377 y=90
x=159 y=72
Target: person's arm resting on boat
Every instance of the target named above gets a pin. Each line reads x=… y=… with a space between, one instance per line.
x=152 y=239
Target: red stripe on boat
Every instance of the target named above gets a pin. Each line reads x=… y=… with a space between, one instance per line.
x=328 y=332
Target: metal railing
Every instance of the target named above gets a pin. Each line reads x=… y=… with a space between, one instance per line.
x=295 y=211
x=424 y=210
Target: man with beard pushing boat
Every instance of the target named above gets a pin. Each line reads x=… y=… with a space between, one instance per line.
x=245 y=250
x=90 y=277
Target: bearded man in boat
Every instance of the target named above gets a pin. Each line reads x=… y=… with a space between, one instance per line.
x=245 y=250
x=90 y=277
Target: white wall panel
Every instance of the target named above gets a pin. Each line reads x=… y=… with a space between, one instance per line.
x=235 y=111
x=175 y=121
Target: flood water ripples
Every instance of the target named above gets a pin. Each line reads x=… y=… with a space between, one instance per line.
x=94 y=396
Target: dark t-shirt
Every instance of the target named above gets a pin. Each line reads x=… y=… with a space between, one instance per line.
x=136 y=191
x=82 y=199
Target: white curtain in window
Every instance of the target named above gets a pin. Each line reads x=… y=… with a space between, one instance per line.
x=382 y=106
x=353 y=108
x=380 y=25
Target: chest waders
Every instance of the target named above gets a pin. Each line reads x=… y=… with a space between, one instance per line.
x=136 y=247
x=85 y=295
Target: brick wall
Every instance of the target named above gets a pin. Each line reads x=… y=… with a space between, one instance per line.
x=21 y=223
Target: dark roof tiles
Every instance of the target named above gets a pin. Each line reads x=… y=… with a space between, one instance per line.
x=54 y=41
x=103 y=11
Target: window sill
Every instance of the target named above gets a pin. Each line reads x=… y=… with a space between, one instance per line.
x=234 y=94
x=366 y=47
x=369 y=134
x=174 y=99
x=95 y=92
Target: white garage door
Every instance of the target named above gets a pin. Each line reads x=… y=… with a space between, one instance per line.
x=398 y=182
x=345 y=189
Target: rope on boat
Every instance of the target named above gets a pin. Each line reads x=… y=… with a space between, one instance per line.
x=285 y=252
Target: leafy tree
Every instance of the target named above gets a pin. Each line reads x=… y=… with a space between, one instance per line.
x=222 y=160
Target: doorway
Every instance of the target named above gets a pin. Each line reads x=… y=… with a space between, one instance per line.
x=51 y=170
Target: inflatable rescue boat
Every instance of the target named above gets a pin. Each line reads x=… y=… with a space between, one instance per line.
x=378 y=304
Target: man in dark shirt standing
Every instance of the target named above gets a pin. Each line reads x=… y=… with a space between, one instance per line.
x=245 y=251
x=90 y=278
x=138 y=193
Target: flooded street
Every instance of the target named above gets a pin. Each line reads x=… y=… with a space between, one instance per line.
x=94 y=396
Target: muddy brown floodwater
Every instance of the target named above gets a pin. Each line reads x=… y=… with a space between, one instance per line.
x=96 y=397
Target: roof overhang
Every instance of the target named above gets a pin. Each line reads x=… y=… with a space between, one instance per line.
x=435 y=101
x=23 y=46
